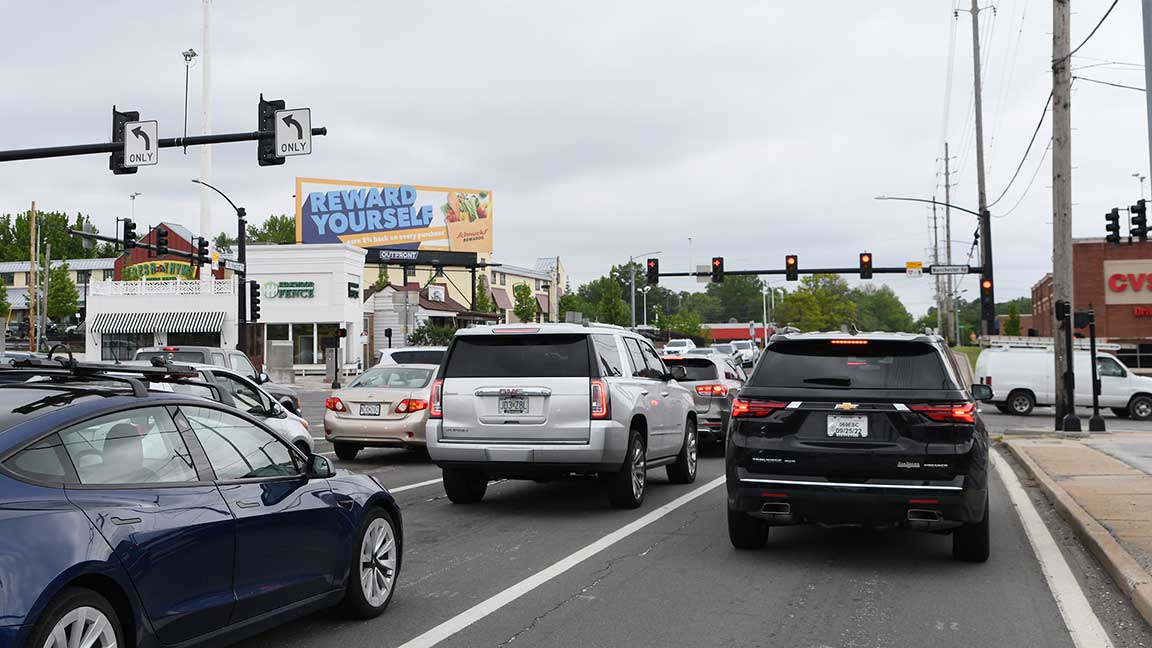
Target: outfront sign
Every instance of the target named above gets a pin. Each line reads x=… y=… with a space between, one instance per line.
x=393 y=216
x=1128 y=282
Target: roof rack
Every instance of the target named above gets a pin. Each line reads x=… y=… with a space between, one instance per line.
x=1030 y=342
x=68 y=369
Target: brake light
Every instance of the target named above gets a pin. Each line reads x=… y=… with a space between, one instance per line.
x=712 y=390
x=598 y=399
x=849 y=342
x=409 y=405
x=436 y=407
x=754 y=408
x=948 y=412
x=170 y=349
x=516 y=330
x=335 y=404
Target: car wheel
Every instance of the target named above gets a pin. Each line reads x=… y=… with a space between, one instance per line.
x=374 y=569
x=78 y=617
x=684 y=470
x=1140 y=407
x=628 y=484
x=1021 y=402
x=345 y=451
x=745 y=531
x=1004 y=409
x=1121 y=412
x=464 y=486
x=970 y=541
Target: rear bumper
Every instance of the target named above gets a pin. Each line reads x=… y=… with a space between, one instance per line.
x=378 y=433
x=712 y=428
x=604 y=452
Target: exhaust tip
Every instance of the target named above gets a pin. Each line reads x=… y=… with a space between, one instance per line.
x=924 y=515
x=776 y=508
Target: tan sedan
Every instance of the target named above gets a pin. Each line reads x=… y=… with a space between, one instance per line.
x=384 y=407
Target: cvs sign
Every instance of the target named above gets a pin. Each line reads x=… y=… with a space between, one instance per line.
x=1128 y=282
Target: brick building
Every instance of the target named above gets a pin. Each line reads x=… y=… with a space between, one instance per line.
x=1115 y=280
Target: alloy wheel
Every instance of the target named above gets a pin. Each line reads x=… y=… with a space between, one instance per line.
x=378 y=562
x=83 y=626
x=639 y=471
x=1142 y=408
x=1020 y=404
x=692 y=442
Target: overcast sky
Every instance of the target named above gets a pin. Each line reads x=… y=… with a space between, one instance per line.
x=605 y=129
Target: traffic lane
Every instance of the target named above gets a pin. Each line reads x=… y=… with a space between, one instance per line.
x=679 y=582
x=393 y=467
x=457 y=556
x=1043 y=420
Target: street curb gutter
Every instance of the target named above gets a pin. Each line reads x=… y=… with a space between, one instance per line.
x=1128 y=574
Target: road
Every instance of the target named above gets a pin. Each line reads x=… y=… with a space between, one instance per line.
x=678 y=582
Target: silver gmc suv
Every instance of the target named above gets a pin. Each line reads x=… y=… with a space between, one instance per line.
x=542 y=401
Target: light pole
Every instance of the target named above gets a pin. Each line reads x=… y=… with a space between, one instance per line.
x=188 y=54
x=1141 y=177
x=132 y=197
x=645 y=290
x=764 y=297
x=242 y=272
x=632 y=282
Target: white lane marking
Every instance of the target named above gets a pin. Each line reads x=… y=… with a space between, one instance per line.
x=319 y=439
x=1082 y=623
x=483 y=609
x=401 y=489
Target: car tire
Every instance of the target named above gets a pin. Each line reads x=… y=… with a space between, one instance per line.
x=345 y=451
x=1021 y=402
x=1121 y=412
x=628 y=485
x=745 y=531
x=1140 y=407
x=368 y=589
x=464 y=486
x=684 y=470
x=970 y=542
x=76 y=609
x=1004 y=409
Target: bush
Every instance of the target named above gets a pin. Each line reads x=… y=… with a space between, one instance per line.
x=428 y=335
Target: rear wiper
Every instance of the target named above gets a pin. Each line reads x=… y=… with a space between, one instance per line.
x=830 y=380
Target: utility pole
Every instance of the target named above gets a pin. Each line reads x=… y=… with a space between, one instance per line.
x=936 y=261
x=1062 y=203
x=1147 y=10
x=33 y=261
x=207 y=54
x=950 y=298
x=44 y=309
x=989 y=318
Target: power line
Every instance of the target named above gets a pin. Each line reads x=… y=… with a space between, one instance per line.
x=1026 y=151
x=1030 y=182
x=1090 y=34
x=1108 y=83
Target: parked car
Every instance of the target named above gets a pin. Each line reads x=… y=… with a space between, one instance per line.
x=715 y=380
x=229 y=358
x=723 y=348
x=547 y=400
x=1022 y=378
x=411 y=355
x=384 y=407
x=145 y=518
x=871 y=429
x=746 y=351
x=677 y=347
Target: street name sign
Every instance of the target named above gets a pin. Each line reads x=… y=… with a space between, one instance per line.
x=948 y=269
x=141 y=143
x=234 y=266
x=914 y=268
x=293 y=132
x=703 y=274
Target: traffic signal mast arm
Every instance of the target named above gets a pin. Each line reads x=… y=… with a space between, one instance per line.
x=113 y=147
x=807 y=270
x=144 y=246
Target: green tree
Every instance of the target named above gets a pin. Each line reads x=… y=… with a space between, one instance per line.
x=740 y=296
x=524 y=303
x=484 y=303
x=610 y=307
x=52 y=229
x=1012 y=325
x=880 y=309
x=223 y=243
x=382 y=278
x=428 y=334
x=572 y=302
x=707 y=307
x=819 y=303
x=62 y=296
x=276 y=229
x=5 y=307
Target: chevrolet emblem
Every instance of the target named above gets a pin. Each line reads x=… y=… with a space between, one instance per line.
x=846 y=406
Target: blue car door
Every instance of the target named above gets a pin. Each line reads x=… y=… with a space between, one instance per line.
x=166 y=523
x=292 y=536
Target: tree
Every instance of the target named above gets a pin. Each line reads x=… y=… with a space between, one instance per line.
x=52 y=229
x=820 y=303
x=524 y=303
x=62 y=296
x=484 y=303
x=428 y=334
x=740 y=296
x=382 y=279
x=276 y=229
x=879 y=309
x=223 y=243
x=1012 y=325
x=611 y=307
x=5 y=307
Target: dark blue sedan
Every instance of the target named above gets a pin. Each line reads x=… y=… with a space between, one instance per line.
x=144 y=519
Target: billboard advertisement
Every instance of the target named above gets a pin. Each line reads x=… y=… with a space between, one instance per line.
x=394 y=216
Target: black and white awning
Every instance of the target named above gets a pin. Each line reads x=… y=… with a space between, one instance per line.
x=179 y=322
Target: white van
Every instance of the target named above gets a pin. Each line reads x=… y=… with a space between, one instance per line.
x=1022 y=378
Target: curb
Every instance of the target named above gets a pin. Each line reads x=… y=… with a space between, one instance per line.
x=1128 y=574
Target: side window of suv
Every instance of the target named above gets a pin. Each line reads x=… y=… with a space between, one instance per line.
x=656 y=368
x=242 y=365
x=636 y=358
x=608 y=356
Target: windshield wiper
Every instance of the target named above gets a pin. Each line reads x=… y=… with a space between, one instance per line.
x=830 y=380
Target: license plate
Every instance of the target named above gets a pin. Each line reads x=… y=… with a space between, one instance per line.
x=842 y=426
x=514 y=405
x=367 y=409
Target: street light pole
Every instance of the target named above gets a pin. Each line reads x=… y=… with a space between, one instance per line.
x=242 y=274
x=632 y=282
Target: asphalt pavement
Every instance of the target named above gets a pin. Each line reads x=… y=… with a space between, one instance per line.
x=553 y=565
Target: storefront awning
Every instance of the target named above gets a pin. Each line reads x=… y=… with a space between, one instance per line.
x=501 y=298
x=180 y=322
x=542 y=302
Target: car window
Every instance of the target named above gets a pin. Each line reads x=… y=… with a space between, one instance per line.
x=172 y=356
x=140 y=446
x=519 y=356
x=677 y=343
x=730 y=372
x=394 y=377
x=635 y=358
x=237 y=448
x=722 y=348
x=180 y=388
x=656 y=368
x=246 y=396
x=242 y=365
x=418 y=357
x=43 y=461
x=608 y=356
x=695 y=368
x=1109 y=367
x=218 y=360
x=861 y=364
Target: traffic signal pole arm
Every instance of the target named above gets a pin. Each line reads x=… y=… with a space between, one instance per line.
x=930 y=202
x=113 y=147
x=143 y=246
x=806 y=270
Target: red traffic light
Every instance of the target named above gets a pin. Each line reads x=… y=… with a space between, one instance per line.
x=651 y=263
x=986 y=284
x=865 y=258
x=790 y=260
x=716 y=262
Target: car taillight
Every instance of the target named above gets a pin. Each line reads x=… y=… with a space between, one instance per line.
x=335 y=404
x=742 y=408
x=598 y=399
x=436 y=407
x=712 y=390
x=409 y=405
x=947 y=412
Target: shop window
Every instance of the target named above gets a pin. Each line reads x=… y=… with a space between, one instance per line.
x=537 y=284
x=329 y=337
x=83 y=276
x=304 y=344
x=8 y=278
x=122 y=346
x=194 y=339
x=276 y=331
x=109 y=275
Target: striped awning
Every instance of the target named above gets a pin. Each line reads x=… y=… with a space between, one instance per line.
x=179 y=322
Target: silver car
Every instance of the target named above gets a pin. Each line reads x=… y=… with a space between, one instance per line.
x=384 y=407
x=714 y=381
x=746 y=351
x=541 y=401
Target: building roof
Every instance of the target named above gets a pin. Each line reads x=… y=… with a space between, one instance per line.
x=73 y=264
x=519 y=271
x=180 y=230
x=547 y=265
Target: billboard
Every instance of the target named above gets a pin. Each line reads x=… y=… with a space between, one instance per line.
x=396 y=216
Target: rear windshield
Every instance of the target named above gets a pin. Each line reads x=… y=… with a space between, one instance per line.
x=820 y=364
x=417 y=357
x=175 y=356
x=696 y=369
x=743 y=344
x=519 y=356
x=397 y=377
x=678 y=343
x=722 y=348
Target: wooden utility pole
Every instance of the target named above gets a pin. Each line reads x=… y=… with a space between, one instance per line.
x=1062 y=202
x=32 y=261
x=987 y=311
x=950 y=298
x=936 y=261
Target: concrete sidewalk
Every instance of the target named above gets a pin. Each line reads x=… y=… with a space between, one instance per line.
x=1101 y=490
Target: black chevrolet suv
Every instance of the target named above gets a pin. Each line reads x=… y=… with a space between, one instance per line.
x=875 y=429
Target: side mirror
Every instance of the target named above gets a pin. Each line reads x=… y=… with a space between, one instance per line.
x=982 y=393
x=262 y=378
x=319 y=467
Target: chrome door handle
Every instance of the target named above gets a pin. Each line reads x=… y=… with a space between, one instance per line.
x=643 y=392
x=122 y=521
x=247 y=503
x=664 y=394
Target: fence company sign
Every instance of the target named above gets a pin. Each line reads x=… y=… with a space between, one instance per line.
x=289 y=289
x=1128 y=282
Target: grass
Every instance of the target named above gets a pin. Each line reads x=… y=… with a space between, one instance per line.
x=970 y=351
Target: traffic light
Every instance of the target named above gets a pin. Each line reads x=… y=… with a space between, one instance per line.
x=865 y=265
x=987 y=301
x=202 y=256
x=1113 y=226
x=119 y=119
x=342 y=332
x=791 y=267
x=1139 y=220
x=653 y=272
x=129 y=236
x=161 y=241
x=254 y=301
x=717 y=269
x=1063 y=310
x=266 y=146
